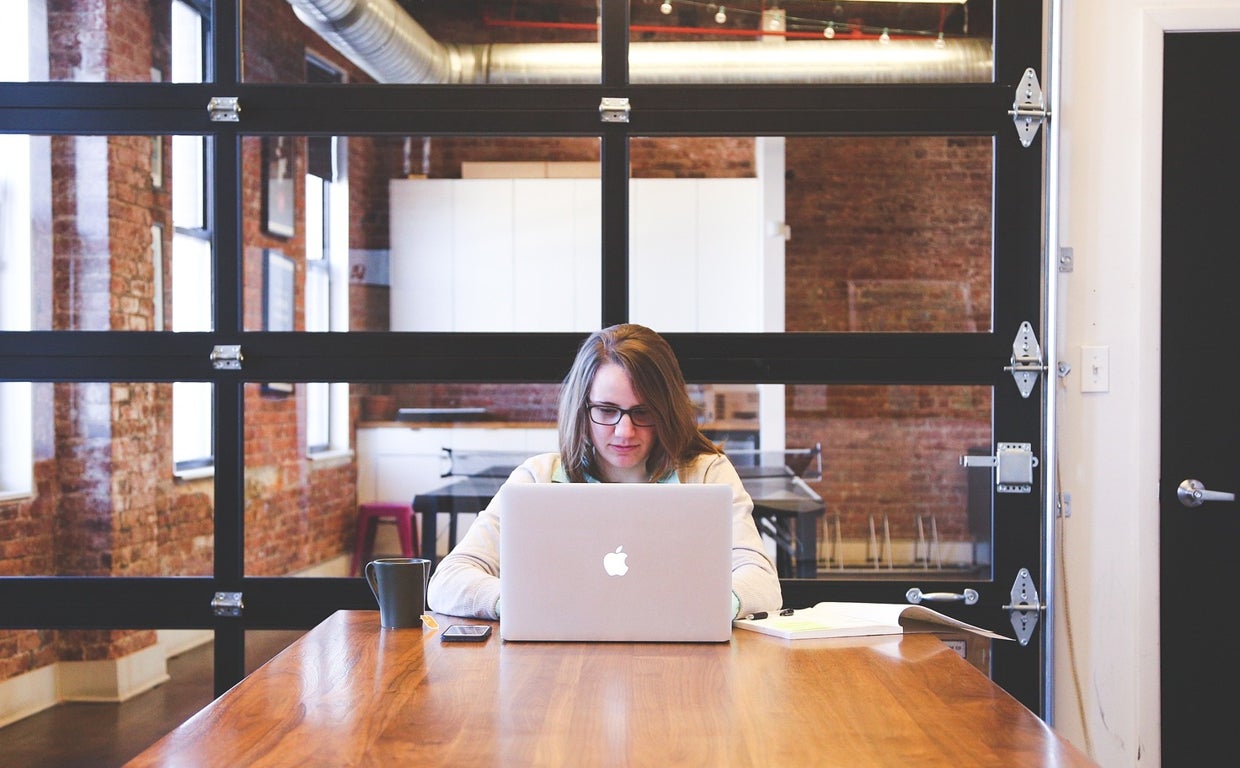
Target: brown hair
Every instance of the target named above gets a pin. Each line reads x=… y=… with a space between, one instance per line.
x=655 y=373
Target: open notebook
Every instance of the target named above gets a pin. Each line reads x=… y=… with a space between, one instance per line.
x=615 y=562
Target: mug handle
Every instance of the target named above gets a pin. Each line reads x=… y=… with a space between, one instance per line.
x=371 y=579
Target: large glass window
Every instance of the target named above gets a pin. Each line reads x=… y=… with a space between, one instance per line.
x=407 y=244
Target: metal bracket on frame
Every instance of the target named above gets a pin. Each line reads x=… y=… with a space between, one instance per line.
x=1014 y=463
x=224 y=109
x=1026 y=359
x=1025 y=606
x=614 y=110
x=968 y=597
x=227 y=604
x=226 y=357
x=1029 y=108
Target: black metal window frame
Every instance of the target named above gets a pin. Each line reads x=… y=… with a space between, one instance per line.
x=658 y=110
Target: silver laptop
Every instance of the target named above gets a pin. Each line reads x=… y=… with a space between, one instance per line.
x=616 y=562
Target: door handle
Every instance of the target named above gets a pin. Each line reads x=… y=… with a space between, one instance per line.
x=1192 y=493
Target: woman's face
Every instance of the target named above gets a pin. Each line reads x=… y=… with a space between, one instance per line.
x=620 y=450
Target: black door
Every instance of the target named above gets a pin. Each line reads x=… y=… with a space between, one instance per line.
x=1200 y=411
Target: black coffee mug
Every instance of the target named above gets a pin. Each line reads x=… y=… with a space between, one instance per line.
x=399 y=585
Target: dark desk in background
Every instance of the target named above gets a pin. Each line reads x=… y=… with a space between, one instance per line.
x=784 y=508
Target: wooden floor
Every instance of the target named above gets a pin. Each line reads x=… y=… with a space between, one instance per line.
x=107 y=735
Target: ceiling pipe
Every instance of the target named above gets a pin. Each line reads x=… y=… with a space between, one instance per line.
x=390 y=46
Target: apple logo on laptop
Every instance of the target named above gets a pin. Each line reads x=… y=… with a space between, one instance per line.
x=614 y=562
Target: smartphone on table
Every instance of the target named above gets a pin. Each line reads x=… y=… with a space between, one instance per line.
x=466 y=633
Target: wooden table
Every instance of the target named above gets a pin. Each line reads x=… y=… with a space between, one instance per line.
x=349 y=694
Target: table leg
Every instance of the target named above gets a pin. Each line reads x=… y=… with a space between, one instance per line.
x=807 y=545
x=429 y=509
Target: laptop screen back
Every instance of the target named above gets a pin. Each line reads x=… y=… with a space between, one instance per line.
x=616 y=562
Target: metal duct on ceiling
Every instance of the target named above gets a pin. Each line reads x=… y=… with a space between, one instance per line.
x=390 y=46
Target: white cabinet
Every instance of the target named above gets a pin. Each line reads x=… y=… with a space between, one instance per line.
x=524 y=254
x=495 y=254
x=421 y=265
x=696 y=254
x=556 y=237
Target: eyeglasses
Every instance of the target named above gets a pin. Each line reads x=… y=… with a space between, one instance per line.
x=610 y=415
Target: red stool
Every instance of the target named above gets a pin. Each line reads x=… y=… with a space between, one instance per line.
x=369 y=515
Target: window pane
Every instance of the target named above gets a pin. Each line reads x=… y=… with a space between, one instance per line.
x=824 y=234
x=301 y=510
x=187 y=51
x=896 y=496
x=318 y=430
x=432 y=234
x=87 y=237
x=828 y=466
x=189 y=177
x=25 y=226
x=191 y=271
x=192 y=443
x=105 y=499
x=16 y=439
x=809 y=41
x=683 y=41
x=425 y=43
x=78 y=41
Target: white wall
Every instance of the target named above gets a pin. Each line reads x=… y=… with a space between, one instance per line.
x=1109 y=118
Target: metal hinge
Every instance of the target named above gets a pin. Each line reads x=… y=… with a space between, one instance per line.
x=1029 y=108
x=226 y=357
x=1026 y=359
x=224 y=109
x=1024 y=606
x=614 y=110
x=227 y=604
x=1014 y=464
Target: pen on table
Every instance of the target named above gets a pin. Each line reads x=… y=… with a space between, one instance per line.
x=758 y=615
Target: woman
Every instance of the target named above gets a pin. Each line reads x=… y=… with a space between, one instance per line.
x=624 y=417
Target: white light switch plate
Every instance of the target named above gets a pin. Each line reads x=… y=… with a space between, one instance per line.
x=1095 y=369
